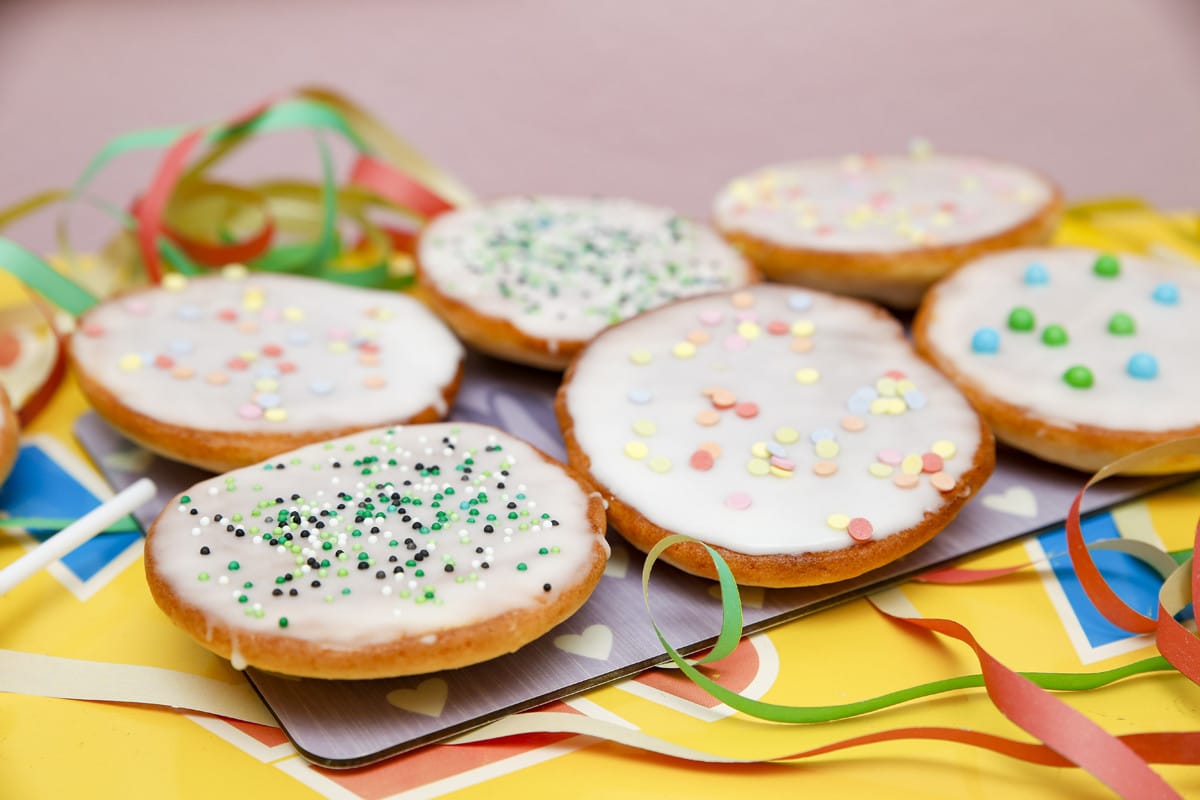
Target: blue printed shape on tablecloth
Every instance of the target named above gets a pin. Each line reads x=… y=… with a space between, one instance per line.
x=39 y=486
x=1132 y=580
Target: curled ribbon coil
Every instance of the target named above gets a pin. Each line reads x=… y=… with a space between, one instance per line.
x=189 y=222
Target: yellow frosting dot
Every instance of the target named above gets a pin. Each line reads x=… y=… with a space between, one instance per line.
x=130 y=362
x=275 y=414
x=944 y=448
x=880 y=470
x=756 y=466
x=911 y=465
x=786 y=435
x=808 y=375
x=886 y=387
x=644 y=427
x=803 y=327
x=641 y=357
x=905 y=385
x=338 y=346
x=234 y=272
x=826 y=448
x=266 y=384
x=896 y=405
x=780 y=472
x=683 y=350
x=293 y=314
x=248 y=355
x=759 y=450
x=252 y=300
x=748 y=330
x=660 y=464
x=839 y=522
x=636 y=450
x=174 y=282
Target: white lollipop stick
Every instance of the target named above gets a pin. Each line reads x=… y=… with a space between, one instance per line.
x=75 y=534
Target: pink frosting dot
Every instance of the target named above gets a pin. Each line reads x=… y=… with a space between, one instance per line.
x=250 y=411
x=710 y=317
x=139 y=307
x=270 y=314
x=93 y=329
x=338 y=333
x=738 y=501
x=860 y=529
x=748 y=316
x=890 y=455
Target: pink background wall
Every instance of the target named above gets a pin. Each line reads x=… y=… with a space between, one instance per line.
x=657 y=100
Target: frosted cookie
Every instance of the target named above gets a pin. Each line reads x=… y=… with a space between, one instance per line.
x=883 y=227
x=1076 y=356
x=798 y=433
x=224 y=370
x=533 y=279
x=387 y=552
x=10 y=433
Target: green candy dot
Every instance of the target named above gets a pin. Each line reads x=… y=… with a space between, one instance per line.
x=185 y=499
x=1020 y=319
x=1107 y=266
x=283 y=622
x=1079 y=377
x=1121 y=324
x=522 y=567
x=234 y=566
x=1054 y=336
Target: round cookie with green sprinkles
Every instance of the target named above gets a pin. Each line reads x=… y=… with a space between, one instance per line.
x=389 y=552
x=532 y=279
x=795 y=432
x=1074 y=355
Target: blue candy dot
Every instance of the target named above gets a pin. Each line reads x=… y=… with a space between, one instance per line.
x=1166 y=293
x=800 y=301
x=1143 y=366
x=320 y=387
x=776 y=449
x=985 y=340
x=916 y=399
x=1036 y=275
x=639 y=396
x=821 y=433
x=267 y=399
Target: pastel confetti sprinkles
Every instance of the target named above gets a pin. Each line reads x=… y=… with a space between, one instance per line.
x=213 y=354
x=744 y=424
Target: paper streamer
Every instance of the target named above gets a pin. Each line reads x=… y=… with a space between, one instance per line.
x=1064 y=731
x=51 y=676
x=191 y=223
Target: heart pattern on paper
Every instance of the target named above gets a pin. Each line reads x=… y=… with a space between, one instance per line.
x=618 y=563
x=428 y=698
x=134 y=461
x=595 y=642
x=752 y=596
x=1016 y=500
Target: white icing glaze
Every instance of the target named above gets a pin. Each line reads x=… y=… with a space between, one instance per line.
x=634 y=374
x=379 y=609
x=325 y=355
x=564 y=268
x=1028 y=373
x=880 y=203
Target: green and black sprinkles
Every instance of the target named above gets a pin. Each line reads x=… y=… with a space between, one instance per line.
x=406 y=521
x=616 y=263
